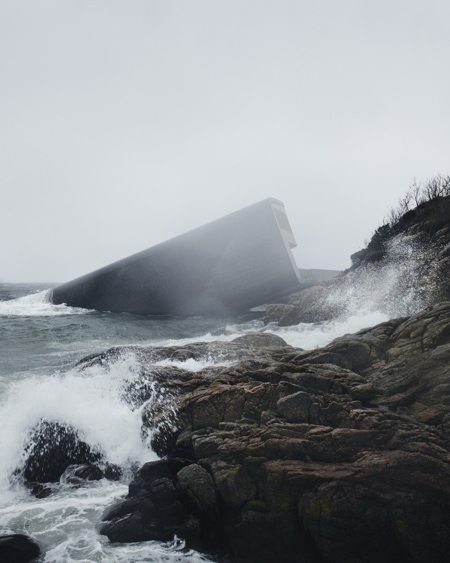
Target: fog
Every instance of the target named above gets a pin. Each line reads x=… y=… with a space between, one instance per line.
x=124 y=124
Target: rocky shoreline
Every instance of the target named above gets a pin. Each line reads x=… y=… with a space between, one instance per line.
x=280 y=455
x=341 y=453
x=336 y=454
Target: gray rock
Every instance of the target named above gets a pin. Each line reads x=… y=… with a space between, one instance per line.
x=295 y=407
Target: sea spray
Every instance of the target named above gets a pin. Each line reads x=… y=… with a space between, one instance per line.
x=314 y=335
x=400 y=285
x=36 y=305
x=90 y=401
x=103 y=402
x=397 y=286
x=65 y=527
x=195 y=365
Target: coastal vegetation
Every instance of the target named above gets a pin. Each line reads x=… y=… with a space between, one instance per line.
x=425 y=206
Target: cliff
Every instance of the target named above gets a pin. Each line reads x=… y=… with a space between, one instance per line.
x=409 y=256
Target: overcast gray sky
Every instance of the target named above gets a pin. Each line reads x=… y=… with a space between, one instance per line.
x=125 y=123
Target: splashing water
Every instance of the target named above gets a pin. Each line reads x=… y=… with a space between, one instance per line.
x=396 y=287
x=36 y=305
x=99 y=401
x=314 y=335
x=194 y=365
x=91 y=400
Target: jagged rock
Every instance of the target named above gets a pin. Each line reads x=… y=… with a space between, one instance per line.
x=39 y=490
x=335 y=454
x=258 y=341
x=295 y=407
x=202 y=498
x=92 y=472
x=52 y=448
x=404 y=363
x=18 y=548
x=154 y=510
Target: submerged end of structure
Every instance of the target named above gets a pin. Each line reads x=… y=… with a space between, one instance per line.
x=232 y=264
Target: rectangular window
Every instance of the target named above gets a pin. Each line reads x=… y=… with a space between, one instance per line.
x=282 y=220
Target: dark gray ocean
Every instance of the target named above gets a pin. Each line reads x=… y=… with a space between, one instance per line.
x=40 y=344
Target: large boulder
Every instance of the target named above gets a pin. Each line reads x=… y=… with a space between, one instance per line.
x=53 y=448
x=18 y=548
x=155 y=508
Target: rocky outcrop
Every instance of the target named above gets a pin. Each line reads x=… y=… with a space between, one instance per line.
x=307 y=306
x=154 y=509
x=55 y=447
x=337 y=454
x=410 y=257
x=404 y=362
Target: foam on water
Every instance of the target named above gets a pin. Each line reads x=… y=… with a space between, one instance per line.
x=100 y=403
x=310 y=336
x=65 y=527
x=207 y=337
x=37 y=305
x=93 y=401
x=194 y=365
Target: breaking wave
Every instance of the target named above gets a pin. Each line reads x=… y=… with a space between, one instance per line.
x=401 y=285
x=398 y=286
x=37 y=305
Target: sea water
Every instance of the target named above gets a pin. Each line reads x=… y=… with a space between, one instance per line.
x=40 y=344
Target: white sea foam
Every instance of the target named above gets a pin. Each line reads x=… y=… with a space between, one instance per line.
x=37 y=305
x=98 y=401
x=91 y=401
x=316 y=335
x=207 y=337
x=194 y=365
x=65 y=526
x=396 y=287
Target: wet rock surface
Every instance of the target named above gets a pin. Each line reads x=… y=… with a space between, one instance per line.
x=53 y=449
x=336 y=454
x=154 y=509
x=18 y=548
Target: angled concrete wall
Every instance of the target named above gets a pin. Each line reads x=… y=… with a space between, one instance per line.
x=232 y=264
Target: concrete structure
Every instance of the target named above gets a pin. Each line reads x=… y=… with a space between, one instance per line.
x=232 y=264
x=315 y=275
